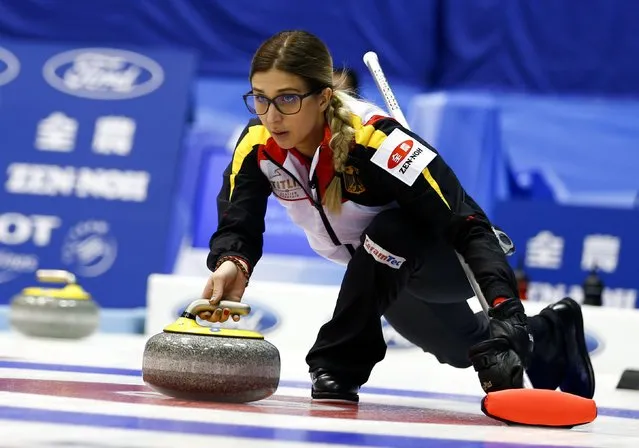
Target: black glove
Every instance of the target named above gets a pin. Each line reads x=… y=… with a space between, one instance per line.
x=501 y=360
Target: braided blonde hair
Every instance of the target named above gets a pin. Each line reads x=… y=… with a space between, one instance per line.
x=338 y=116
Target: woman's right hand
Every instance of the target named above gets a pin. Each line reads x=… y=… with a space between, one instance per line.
x=228 y=283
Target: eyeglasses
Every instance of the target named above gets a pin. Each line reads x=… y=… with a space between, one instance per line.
x=286 y=104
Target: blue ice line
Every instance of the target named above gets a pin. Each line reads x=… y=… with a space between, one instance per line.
x=240 y=431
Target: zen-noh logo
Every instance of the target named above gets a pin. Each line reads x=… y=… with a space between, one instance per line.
x=103 y=73
x=9 y=66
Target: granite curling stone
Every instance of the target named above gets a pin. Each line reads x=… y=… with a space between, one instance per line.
x=200 y=363
x=68 y=312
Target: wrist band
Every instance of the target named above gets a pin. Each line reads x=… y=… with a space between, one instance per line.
x=499 y=300
x=237 y=261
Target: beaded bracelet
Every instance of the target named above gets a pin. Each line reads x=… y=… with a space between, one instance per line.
x=237 y=261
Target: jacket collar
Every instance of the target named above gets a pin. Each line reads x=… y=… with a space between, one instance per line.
x=322 y=164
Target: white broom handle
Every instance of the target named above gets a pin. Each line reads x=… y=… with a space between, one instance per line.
x=372 y=62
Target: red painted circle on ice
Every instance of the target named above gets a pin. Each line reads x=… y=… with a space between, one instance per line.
x=277 y=404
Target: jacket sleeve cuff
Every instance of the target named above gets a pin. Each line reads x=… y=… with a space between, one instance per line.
x=211 y=260
x=495 y=294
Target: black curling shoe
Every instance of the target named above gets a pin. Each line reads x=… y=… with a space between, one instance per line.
x=328 y=387
x=578 y=376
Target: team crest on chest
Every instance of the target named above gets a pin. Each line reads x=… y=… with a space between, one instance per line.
x=352 y=182
x=284 y=186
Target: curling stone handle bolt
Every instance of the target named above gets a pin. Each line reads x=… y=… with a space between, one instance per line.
x=55 y=276
x=198 y=306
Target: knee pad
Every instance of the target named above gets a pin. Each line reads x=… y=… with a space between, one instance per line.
x=505 y=242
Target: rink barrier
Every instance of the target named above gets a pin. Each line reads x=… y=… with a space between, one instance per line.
x=289 y=315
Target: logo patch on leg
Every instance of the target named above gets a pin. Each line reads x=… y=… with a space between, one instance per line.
x=381 y=255
x=403 y=156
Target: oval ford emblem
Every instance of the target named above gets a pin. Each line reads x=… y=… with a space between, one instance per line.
x=393 y=338
x=593 y=344
x=9 y=66
x=103 y=73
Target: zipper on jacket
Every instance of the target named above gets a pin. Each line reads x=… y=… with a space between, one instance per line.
x=320 y=209
x=317 y=204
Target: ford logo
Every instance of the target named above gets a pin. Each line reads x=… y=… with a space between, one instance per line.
x=593 y=344
x=393 y=338
x=9 y=66
x=261 y=319
x=103 y=73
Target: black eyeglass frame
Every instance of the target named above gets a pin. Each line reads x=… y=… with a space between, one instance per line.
x=301 y=96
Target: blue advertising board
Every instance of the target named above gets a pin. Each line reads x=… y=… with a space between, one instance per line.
x=560 y=245
x=90 y=157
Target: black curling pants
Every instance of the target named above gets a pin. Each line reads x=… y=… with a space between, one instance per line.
x=417 y=283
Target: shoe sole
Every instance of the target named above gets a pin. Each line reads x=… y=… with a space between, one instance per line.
x=334 y=397
x=580 y=336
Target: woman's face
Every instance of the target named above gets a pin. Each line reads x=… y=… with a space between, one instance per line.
x=299 y=129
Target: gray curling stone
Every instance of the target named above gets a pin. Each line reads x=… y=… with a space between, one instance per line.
x=200 y=363
x=68 y=312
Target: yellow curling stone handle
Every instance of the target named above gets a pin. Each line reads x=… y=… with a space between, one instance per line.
x=55 y=276
x=71 y=289
x=188 y=325
x=199 y=306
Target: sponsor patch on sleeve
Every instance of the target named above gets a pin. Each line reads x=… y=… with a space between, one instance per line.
x=381 y=255
x=403 y=156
